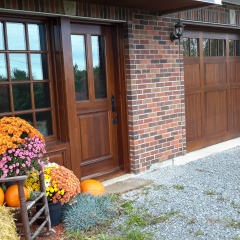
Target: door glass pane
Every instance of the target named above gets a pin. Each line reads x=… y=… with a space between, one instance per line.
x=1 y=37
x=186 y=47
x=193 y=47
x=16 y=36
x=21 y=97
x=205 y=47
x=19 y=66
x=5 y=99
x=99 y=66
x=41 y=95
x=3 y=67
x=39 y=66
x=36 y=33
x=44 y=123
x=222 y=47
x=79 y=67
x=231 y=48
x=214 y=47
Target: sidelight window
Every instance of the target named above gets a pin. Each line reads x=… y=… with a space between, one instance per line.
x=25 y=85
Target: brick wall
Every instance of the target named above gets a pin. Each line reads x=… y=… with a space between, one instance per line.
x=154 y=84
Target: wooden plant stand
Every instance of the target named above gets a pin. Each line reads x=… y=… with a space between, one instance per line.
x=27 y=205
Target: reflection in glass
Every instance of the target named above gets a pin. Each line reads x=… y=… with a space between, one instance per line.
x=39 y=66
x=3 y=67
x=214 y=47
x=237 y=47
x=231 y=48
x=1 y=37
x=16 y=36
x=79 y=67
x=99 y=66
x=36 y=33
x=41 y=95
x=186 y=47
x=193 y=47
x=27 y=117
x=44 y=123
x=222 y=47
x=21 y=97
x=5 y=99
x=19 y=66
x=205 y=47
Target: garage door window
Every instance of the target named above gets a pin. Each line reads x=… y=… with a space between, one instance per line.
x=191 y=47
x=234 y=47
x=25 y=84
x=214 y=47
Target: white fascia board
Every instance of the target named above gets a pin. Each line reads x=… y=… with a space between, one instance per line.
x=212 y=1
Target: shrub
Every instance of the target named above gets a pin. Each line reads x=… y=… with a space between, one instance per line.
x=86 y=211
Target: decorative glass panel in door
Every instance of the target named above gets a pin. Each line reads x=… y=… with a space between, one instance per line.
x=79 y=67
x=99 y=66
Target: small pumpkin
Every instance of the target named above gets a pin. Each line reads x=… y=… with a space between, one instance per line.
x=92 y=186
x=12 y=196
x=1 y=196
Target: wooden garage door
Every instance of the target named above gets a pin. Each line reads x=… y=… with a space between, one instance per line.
x=212 y=87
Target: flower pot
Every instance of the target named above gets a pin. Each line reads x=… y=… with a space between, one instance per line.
x=55 y=210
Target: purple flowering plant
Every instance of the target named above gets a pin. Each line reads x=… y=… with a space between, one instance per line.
x=22 y=148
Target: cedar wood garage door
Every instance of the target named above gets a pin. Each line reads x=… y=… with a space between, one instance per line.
x=212 y=87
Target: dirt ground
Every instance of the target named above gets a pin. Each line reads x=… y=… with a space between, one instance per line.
x=53 y=236
x=57 y=234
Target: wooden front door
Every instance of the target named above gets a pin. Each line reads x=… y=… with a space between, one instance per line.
x=94 y=76
x=212 y=87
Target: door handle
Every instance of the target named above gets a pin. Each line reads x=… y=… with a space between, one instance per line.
x=114 y=109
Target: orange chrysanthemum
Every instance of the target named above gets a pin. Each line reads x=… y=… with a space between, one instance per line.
x=13 y=130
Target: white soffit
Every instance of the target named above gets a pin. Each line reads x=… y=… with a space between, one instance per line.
x=237 y=2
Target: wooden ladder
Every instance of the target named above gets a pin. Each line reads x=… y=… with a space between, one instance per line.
x=25 y=206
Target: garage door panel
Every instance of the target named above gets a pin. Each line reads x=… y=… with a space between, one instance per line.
x=192 y=76
x=215 y=113
x=193 y=117
x=234 y=72
x=234 y=110
x=215 y=74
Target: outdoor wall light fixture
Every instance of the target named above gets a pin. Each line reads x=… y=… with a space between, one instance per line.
x=178 y=31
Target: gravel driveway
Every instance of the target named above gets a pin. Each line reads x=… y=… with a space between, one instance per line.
x=199 y=200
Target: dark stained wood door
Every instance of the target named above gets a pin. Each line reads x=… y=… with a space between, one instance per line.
x=212 y=87
x=95 y=99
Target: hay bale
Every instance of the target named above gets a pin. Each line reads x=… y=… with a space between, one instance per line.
x=8 y=229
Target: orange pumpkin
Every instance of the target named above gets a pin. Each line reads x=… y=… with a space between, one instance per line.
x=12 y=196
x=92 y=186
x=1 y=196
